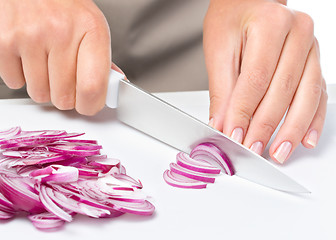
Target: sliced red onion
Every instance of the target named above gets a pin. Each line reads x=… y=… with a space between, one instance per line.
x=125 y=178
x=51 y=206
x=46 y=221
x=122 y=169
x=194 y=171
x=144 y=208
x=34 y=157
x=53 y=176
x=20 y=191
x=185 y=161
x=61 y=174
x=212 y=154
x=42 y=172
x=191 y=174
x=6 y=207
x=10 y=132
x=88 y=172
x=71 y=150
x=6 y=215
x=105 y=164
x=73 y=205
x=182 y=182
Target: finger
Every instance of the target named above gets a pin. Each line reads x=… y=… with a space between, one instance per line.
x=11 y=67
x=222 y=61
x=315 y=129
x=282 y=88
x=262 y=51
x=35 y=69
x=93 y=67
x=301 y=111
x=62 y=75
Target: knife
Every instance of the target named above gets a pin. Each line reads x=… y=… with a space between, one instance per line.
x=168 y=124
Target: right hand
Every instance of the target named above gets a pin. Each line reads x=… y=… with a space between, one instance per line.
x=59 y=48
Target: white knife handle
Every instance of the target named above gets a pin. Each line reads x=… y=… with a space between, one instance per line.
x=113 y=88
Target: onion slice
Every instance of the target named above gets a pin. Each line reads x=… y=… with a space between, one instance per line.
x=180 y=181
x=185 y=161
x=6 y=215
x=10 y=132
x=46 y=221
x=191 y=174
x=205 y=161
x=210 y=153
x=51 y=206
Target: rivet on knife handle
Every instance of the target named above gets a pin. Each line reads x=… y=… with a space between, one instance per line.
x=113 y=88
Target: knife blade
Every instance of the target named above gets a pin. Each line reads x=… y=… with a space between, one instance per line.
x=168 y=124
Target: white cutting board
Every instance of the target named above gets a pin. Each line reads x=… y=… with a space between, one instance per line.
x=231 y=208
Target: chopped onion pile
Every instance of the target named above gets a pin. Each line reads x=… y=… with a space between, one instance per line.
x=205 y=162
x=52 y=176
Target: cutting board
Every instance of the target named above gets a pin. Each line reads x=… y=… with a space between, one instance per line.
x=232 y=208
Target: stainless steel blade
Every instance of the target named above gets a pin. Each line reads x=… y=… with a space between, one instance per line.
x=170 y=125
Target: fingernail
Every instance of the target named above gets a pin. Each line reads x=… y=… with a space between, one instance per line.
x=312 y=138
x=237 y=135
x=211 y=122
x=281 y=154
x=257 y=147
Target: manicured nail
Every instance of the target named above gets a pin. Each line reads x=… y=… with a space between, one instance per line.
x=312 y=138
x=237 y=135
x=281 y=154
x=257 y=147
x=211 y=122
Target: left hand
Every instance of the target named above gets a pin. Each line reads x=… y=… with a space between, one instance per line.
x=262 y=60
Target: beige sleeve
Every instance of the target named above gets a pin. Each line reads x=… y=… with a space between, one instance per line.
x=158 y=43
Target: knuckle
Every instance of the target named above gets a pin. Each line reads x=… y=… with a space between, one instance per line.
x=62 y=28
x=268 y=127
x=215 y=101
x=324 y=94
x=94 y=21
x=305 y=23
x=316 y=89
x=319 y=117
x=277 y=14
x=243 y=115
x=258 y=79
x=90 y=90
x=286 y=83
x=32 y=35
x=7 y=41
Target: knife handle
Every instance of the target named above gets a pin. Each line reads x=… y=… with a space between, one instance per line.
x=113 y=88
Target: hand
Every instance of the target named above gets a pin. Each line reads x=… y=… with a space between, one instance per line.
x=262 y=59
x=59 y=48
